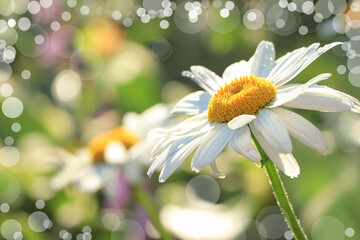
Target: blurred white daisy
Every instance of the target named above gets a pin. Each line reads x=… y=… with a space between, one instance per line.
x=217 y=222
x=123 y=147
x=245 y=101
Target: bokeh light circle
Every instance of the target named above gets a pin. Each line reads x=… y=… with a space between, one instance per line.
x=288 y=235
x=9 y=228
x=86 y=229
x=28 y=43
x=9 y=156
x=46 y=3
x=9 y=141
x=292 y=6
x=6 y=90
x=187 y=22
x=223 y=20
x=24 y=24
x=9 y=54
x=84 y=236
x=9 y=188
x=283 y=22
x=39 y=221
x=128 y=229
x=5 y=71
x=7 y=31
x=84 y=10
x=11 y=22
x=3 y=26
x=203 y=191
x=40 y=204
x=308 y=7
x=5 y=8
x=66 y=16
x=341 y=69
x=19 y=6
x=16 y=127
x=161 y=48
x=164 y=24
x=127 y=22
x=39 y=39
x=303 y=30
x=318 y=17
x=329 y=228
x=12 y=107
x=273 y=222
x=110 y=220
x=55 y=26
x=4 y=207
x=349 y=232
x=354 y=76
x=34 y=7
x=253 y=19
x=65 y=235
x=25 y=74
x=8 y=34
x=18 y=236
x=275 y=226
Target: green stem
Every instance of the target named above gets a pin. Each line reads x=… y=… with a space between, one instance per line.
x=148 y=204
x=281 y=195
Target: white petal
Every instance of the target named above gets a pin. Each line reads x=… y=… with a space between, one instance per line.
x=303 y=130
x=167 y=146
x=172 y=139
x=263 y=60
x=240 y=121
x=182 y=128
x=178 y=158
x=284 y=161
x=193 y=103
x=173 y=150
x=290 y=65
x=325 y=99
x=284 y=96
x=211 y=147
x=216 y=170
x=273 y=130
x=286 y=63
x=205 y=78
x=242 y=144
x=236 y=70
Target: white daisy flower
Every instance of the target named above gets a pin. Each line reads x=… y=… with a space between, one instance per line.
x=245 y=101
x=123 y=147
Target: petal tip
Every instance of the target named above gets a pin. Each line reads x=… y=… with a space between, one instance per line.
x=294 y=175
x=221 y=176
x=185 y=73
x=195 y=169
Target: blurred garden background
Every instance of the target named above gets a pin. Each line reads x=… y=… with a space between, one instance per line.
x=74 y=70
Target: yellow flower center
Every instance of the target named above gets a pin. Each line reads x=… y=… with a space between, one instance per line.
x=121 y=134
x=244 y=95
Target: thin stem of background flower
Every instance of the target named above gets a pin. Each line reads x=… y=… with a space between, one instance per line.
x=281 y=195
x=143 y=198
